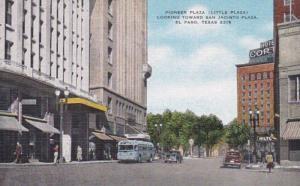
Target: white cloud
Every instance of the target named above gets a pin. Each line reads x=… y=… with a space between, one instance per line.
x=267 y=27
x=216 y=97
x=203 y=81
x=250 y=42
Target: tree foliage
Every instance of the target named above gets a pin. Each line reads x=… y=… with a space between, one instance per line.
x=178 y=127
x=208 y=131
x=237 y=135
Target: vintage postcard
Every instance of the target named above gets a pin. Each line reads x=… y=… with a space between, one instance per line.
x=149 y=92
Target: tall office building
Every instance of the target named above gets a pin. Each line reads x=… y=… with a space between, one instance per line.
x=44 y=47
x=118 y=58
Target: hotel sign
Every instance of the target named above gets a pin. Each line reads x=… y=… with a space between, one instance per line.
x=266 y=48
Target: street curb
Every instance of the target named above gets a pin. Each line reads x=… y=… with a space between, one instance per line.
x=7 y=165
x=261 y=167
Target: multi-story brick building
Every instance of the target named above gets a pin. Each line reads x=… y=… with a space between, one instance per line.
x=255 y=92
x=287 y=70
x=255 y=87
x=119 y=61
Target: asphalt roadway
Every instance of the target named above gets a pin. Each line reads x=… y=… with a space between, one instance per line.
x=200 y=172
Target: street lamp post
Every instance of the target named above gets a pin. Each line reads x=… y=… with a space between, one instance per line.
x=66 y=94
x=254 y=119
x=158 y=128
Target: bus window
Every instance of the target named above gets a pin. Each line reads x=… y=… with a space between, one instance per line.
x=125 y=147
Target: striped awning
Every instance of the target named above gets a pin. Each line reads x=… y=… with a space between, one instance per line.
x=42 y=126
x=291 y=131
x=102 y=136
x=9 y=122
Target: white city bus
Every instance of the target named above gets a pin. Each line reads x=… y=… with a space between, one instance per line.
x=133 y=150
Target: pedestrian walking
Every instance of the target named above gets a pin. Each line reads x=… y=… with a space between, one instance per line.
x=269 y=159
x=79 y=153
x=18 y=153
x=56 y=148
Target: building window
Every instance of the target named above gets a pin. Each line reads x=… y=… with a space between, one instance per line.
x=32 y=60
x=294 y=145
x=289 y=17
x=109 y=104
x=288 y=2
x=109 y=79
x=253 y=78
x=110 y=30
x=294 y=88
x=271 y=75
x=265 y=75
x=109 y=55
x=247 y=77
x=23 y=57
x=110 y=9
x=32 y=30
x=8 y=46
x=258 y=76
x=24 y=16
x=9 y=5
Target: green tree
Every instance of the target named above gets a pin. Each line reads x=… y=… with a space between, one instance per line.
x=152 y=130
x=237 y=135
x=175 y=131
x=208 y=131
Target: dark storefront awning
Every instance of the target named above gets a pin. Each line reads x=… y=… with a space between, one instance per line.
x=43 y=126
x=102 y=136
x=292 y=131
x=10 y=123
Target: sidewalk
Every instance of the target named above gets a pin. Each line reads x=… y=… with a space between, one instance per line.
x=12 y=164
x=260 y=166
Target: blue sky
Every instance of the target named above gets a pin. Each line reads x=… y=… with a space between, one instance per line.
x=194 y=65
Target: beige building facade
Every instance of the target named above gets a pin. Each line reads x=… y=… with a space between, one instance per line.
x=289 y=90
x=48 y=41
x=118 y=61
x=44 y=57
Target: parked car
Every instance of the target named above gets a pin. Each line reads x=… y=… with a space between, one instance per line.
x=173 y=156
x=233 y=158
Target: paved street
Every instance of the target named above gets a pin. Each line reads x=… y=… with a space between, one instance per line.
x=191 y=172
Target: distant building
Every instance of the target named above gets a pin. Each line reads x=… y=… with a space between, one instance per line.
x=255 y=87
x=255 y=91
x=119 y=68
x=287 y=69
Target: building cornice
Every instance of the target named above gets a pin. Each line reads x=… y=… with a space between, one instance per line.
x=119 y=95
x=253 y=64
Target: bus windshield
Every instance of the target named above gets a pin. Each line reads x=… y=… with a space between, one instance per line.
x=125 y=147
